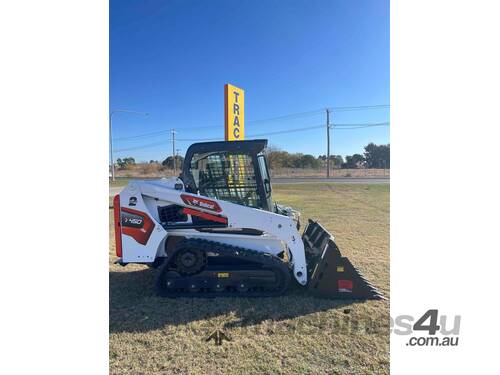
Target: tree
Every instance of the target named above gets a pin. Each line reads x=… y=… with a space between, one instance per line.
x=336 y=161
x=377 y=156
x=354 y=161
x=281 y=159
x=307 y=161
x=122 y=163
x=277 y=158
x=169 y=162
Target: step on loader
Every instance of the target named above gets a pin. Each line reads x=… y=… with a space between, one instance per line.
x=215 y=231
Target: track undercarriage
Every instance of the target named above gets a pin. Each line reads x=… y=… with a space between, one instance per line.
x=198 y=267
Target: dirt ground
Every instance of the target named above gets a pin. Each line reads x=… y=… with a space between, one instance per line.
x=292 y=334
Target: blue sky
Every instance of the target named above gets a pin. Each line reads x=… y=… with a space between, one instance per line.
x=172 y=59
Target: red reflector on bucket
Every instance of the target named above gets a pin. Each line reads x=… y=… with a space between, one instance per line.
x=345 y=286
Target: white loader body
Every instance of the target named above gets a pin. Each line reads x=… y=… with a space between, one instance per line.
x=279 y=232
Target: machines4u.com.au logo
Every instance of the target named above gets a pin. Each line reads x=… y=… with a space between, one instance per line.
x=431 y=329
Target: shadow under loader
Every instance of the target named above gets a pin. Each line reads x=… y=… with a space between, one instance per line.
x=334 y=284
x=135 y=307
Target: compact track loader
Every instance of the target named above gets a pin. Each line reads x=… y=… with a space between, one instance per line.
x=215 y=231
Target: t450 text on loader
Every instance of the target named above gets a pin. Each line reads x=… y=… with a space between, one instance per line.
x=215 y=231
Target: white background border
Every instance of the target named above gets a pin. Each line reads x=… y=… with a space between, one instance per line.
x=54 y=191
x=54 y=187
x=444 y=178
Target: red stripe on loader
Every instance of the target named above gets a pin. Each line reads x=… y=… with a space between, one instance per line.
x=118 y=231
x=142 y=234
x=204 y=215
x=196 y=201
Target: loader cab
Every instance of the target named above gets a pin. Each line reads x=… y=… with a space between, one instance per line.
x=231 y=171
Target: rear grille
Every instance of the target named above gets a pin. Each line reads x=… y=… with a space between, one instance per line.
x=171 y=214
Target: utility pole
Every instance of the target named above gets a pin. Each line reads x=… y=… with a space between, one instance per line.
x=173 y=148
x=327 y=143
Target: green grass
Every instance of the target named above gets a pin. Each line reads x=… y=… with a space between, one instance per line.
x=293 y=334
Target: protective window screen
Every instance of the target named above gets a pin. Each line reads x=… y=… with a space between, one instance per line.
x=263 y=172
x=226 y=176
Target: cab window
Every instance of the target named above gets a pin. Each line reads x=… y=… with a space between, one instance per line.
x=226 y=176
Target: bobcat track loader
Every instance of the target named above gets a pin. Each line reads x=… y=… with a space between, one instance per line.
x=215 y=231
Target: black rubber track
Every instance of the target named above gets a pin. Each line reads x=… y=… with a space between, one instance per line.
x=269 y=261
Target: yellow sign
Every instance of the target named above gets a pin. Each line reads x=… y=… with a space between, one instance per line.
x=234 y=113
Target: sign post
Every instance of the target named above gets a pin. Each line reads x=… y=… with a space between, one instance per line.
x=234 y=113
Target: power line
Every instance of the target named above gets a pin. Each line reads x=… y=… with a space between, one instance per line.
x=190 y=128
x=284 y=131
x=347 y=127
x=145 y=135
x=291 y=116
x=341 y=127
x=255 y=135
x=361 y=126
x=287 y=131
x=200 y=139
x=138 y=137
x=144 y=146
x=360 y=108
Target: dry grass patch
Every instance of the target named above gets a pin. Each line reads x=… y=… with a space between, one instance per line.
x=307 y=172
x=155 y=170
x=293 y=334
